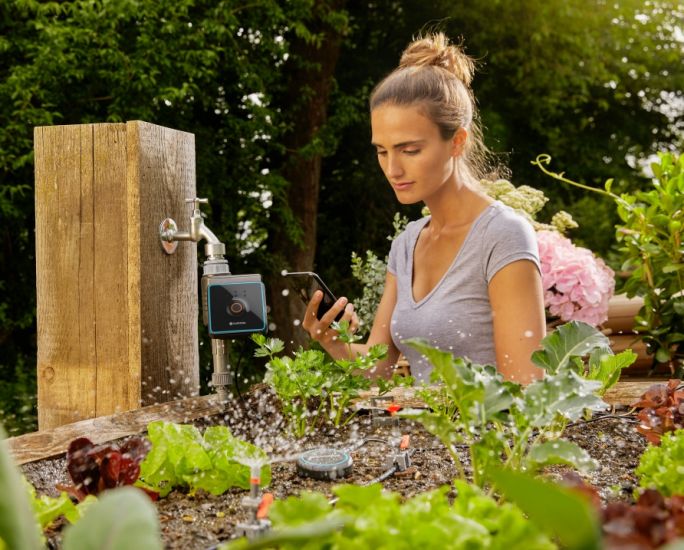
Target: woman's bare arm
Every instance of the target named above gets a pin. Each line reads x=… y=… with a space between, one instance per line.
x=517 y=300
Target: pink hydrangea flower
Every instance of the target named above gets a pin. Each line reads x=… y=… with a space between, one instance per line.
x=577 y=284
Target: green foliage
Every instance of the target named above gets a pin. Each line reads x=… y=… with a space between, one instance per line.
x=564 y=514
x=314 y=390
x=650 y=235
x=505 y=423
x=368 y=517
x=213 y=68
x=18 y=528
x=371 y=273
x=569 y=343
x=47 y=508
x=661 y=467
x=121 y=519
x=17 y=390
x=214 y=461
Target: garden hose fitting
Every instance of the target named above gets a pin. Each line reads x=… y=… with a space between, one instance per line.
x=257 y=507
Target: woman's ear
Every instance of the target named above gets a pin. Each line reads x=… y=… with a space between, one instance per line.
x=458 y=142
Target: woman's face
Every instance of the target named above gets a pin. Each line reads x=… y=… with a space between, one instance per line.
x=415 y=159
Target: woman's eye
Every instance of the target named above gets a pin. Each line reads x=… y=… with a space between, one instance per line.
x=382 y=153
x=411 y=151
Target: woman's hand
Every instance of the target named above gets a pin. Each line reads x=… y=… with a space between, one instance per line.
x=320 y=329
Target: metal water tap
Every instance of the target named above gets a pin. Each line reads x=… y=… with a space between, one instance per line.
x=169 y=234
x=215 y=264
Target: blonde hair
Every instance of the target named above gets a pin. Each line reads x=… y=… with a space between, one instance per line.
x=435 y=76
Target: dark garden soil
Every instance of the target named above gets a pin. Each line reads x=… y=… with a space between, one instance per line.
x=202 y=521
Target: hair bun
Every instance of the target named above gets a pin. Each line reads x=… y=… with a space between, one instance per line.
x=435 y=49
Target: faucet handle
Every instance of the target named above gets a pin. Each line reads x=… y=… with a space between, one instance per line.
x=196 y=202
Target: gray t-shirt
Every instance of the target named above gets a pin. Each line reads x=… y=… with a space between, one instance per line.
x=456 y=315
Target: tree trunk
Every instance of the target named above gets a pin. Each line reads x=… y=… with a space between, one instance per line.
x=311 y=76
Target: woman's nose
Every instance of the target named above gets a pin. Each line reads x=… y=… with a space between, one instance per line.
x=394 y=168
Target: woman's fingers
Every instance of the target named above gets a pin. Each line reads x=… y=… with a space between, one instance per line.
x=354 y=323
x=333 y=312
x=310 y=318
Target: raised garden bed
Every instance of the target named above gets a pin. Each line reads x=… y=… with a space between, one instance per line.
x=203 y=520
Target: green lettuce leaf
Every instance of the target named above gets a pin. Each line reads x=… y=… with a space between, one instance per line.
x=216 y=461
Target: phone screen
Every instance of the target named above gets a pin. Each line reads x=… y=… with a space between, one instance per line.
x=305 y=283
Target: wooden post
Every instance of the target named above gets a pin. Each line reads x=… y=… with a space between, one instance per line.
x=117 y=318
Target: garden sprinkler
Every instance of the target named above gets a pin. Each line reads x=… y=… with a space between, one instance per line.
x=232 y=305
x=324 y=463
x=257 y=506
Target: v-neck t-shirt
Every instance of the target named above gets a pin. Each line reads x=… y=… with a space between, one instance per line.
x=456 y=314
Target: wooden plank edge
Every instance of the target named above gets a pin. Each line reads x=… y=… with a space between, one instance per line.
x=48 y=443
x=625 y=392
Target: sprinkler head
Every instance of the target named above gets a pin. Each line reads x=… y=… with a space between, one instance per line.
x=324 y=463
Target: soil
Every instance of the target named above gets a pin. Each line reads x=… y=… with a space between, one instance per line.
x=202 y=521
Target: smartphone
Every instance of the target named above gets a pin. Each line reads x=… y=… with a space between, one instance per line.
x=305 y=283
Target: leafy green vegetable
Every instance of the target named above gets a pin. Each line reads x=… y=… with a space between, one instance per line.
x=122 y=518
x=560 y=452
x=182 y=457
x=315 y=390
x=558 y=511
x=503 y=422
x=47 y=508
x=662 y=467
x=573 y=339
x=368 y=517
x=17 y=524
x=569 y=343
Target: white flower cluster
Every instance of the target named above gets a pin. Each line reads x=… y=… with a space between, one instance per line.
x=527 y=201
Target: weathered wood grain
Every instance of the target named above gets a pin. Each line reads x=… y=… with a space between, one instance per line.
x=168 y=305
x=117 y=318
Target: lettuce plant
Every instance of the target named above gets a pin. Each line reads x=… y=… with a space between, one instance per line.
x=94 y=468
x=505 y=423
x=662 y=410
x=47 y=509
x=214 y=461
x=661 y=467
x=368 y=517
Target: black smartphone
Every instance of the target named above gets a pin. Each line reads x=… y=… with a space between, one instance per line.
x=305 y=283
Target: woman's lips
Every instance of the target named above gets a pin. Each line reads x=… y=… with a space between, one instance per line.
x=402 y=185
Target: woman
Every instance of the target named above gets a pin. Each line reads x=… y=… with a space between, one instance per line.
x=466 y=278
